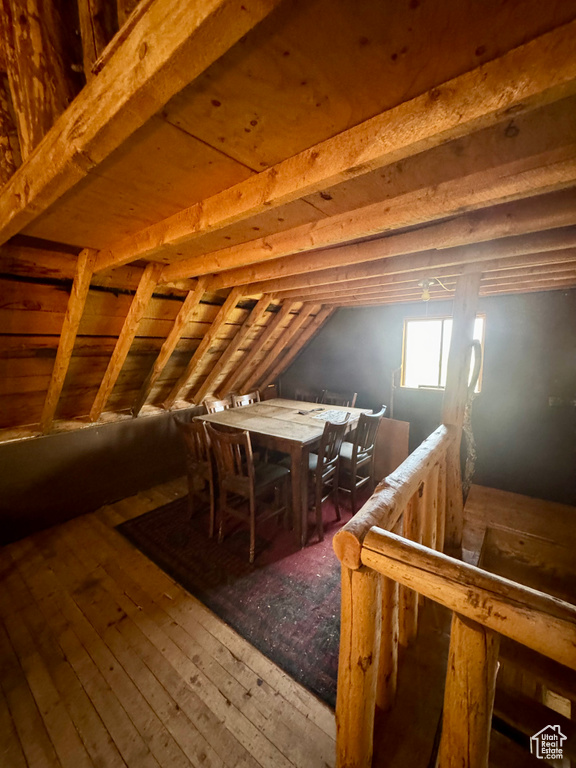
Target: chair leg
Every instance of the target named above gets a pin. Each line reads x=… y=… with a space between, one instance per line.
x=353 y=496
x=190 y=497
x=336 y=482
x=252 y=530
x=212 y=520
x=318 y=505
x=222 y=517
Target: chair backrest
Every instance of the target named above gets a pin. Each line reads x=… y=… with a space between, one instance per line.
x=239 y=401
x=196 y=441
x=234 y=459
x=345 y=399
x=307 y=395
x=214 y=406
x=365 y=436
x=330 y=444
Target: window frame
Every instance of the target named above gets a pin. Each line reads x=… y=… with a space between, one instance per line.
x=443 y=318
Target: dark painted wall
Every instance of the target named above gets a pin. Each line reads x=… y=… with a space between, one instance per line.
x=47 y=480
x=524 y=444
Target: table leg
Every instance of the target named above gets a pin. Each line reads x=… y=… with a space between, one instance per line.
x=299 y=472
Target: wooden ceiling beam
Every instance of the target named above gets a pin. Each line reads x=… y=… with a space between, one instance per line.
x=170 y=46
x=242 y=371
x=490 y=290
x=502 y=231
x=253 y=318
x=540 y=174
x=135 y=314
x=467 y=103
x=311 y=329
x=495 y=269
x=190 y=303
x=520 y=218
x=283 y=342
x=74 y=310
x=196 y=360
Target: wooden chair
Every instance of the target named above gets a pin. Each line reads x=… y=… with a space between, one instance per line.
x=214 y=406
x=238 y=401
x=347 y=399
x=240 y=480
x=324 y=468
x=199 y=467
x=307 y=395
x=359 y=454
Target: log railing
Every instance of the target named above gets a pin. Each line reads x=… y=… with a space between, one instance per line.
x=377 y=614
x=388 y=558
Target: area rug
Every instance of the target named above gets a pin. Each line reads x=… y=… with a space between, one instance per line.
x=287 y=604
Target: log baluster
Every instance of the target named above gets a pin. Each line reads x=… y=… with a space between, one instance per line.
x=358 y=666
x=469 y=695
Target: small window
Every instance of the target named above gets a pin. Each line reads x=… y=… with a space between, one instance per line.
x=426 y=348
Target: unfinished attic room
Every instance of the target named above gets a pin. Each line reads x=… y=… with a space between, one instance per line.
x=287 y=383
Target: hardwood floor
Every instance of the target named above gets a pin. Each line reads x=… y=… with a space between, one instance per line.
x=105 y=661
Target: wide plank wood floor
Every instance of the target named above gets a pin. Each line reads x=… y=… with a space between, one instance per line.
x=105 y=661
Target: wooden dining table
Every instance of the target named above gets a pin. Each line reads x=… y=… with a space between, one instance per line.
x=290 y=426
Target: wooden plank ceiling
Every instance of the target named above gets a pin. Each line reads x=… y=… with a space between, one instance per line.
x=194 y=190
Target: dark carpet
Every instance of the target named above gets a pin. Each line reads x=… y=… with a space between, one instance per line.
x=287 y=604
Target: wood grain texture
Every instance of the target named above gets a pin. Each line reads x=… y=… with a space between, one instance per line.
x=38 y=67
x=223 y=315
x=253 y=318
x=136 y=312
x=539 y=621
x=242 y=371
x=449 y=112
x=70 y=326
x=361 y=620
x=469 y=695
x=167 y=49
x=188 y=307
x=497 y=224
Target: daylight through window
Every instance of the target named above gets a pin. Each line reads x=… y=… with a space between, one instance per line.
x=426 y=348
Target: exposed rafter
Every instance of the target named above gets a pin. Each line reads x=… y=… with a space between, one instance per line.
x=503 y=221
x=223 y=315
x=298 y=345
x=174 y=42
x=283 y=341
x=241 y=373
x=74 y=310
x=467 y=103
x=138 y=306
x=189 y=305
x=247 y=327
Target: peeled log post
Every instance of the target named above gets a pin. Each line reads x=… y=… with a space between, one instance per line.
x=97 y=28
x=469 y=695
x=357 y=667
x=125 y=8
x=408 y=598
x=38 y=67
x=388 y=663
x=456 y=395
x=441 y=512
x=8 y=162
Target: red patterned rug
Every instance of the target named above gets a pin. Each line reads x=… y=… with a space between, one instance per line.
x=287 y=604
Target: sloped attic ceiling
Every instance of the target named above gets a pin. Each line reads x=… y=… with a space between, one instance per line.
x=227 y=174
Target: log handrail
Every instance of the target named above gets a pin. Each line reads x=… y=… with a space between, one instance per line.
x=389 y=556
x=537 y=620
x=388 y=502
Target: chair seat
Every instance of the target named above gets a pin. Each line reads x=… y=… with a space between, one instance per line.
x=346 y=454
x=265 y=474
x=312 y=462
